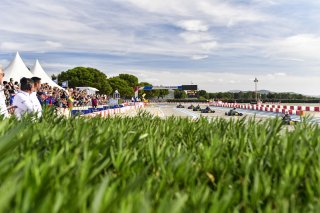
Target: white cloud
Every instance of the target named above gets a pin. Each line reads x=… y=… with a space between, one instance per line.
x=192 y=37
x=193 y=25
x=272 y=76
x=208 y=46
x=202 y=40
x=301 y=47
x=230 y=14
x=199 y=57
x=280 y=74
x=217 y=11
x=11 y=46
x=37 y=46
x=291 y=59
x=53 y=44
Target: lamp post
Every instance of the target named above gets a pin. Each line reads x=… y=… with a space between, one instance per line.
x=116 y=96
x=256 y=88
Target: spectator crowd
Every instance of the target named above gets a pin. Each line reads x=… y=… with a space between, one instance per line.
x=29 y=95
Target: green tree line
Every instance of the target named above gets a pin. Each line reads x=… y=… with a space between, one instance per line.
x=250 y=96
x=91 y=77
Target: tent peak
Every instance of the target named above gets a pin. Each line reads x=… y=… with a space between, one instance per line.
x=17 y=69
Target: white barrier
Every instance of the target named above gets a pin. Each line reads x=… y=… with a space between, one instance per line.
x=266 y=108
x=109 y=112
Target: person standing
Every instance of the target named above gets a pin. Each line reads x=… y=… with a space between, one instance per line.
x=34 y=98
x=22 y=100
x=94 y=102
x=42 y=98
x=3 y=106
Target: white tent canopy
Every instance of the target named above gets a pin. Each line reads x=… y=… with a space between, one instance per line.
x=89 y=90
x=38 y=71
x=17 y=70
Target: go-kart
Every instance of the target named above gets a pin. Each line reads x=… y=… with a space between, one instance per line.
x=207 y=110
x=286 y=120
x=197 y=108
x=233 y=113
x=180 y=106
x=289 y=122
x=190 y=107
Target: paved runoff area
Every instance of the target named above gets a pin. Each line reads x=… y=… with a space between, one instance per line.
x=166 y=110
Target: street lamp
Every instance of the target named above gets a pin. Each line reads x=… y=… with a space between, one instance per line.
x=256 y=88
x=116 y=96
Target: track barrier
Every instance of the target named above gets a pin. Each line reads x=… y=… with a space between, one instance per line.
x=107 y=111
x=292 y=110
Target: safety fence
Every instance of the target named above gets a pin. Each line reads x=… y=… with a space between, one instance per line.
x=106 y=112
x=292 y=110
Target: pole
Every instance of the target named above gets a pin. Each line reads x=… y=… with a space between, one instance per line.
x=256 y=88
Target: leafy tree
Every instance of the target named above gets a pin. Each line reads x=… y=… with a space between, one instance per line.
x=163 y=93
x=130 y=79
x=122 y=86
x=149 y=94
x=53 y=77
x=86 y=76
x=179 y=94
x=203 y=94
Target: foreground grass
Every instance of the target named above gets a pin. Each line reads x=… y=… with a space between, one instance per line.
x=147 y=164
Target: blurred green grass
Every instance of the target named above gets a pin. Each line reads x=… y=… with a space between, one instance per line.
x=147 y=164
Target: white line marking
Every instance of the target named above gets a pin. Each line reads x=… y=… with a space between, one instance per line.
x=161 y=112
x=193 y=115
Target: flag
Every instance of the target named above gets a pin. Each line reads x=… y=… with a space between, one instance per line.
x=136 y=92
x=64 y=84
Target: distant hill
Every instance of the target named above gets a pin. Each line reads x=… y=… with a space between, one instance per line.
x=259 y=91
x=235 y=91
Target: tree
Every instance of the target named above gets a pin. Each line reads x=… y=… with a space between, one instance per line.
x=53 y=77
x=130 y=79
x=122 y=86
x=85 y=76
x=150 y=94
x=163 y=93
x=179 y=94
x=203 y=94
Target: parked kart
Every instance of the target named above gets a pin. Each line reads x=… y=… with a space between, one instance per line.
x=207 y=110
x=190 y=107
x=197 y=108
x=180 y=106
x=233 y=113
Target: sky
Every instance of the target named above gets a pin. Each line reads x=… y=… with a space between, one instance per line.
x=220 y=45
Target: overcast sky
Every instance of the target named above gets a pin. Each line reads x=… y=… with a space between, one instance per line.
x=220 y=45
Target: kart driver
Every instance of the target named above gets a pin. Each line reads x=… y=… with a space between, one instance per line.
x=286 y=118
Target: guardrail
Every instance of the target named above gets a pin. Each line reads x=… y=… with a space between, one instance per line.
x=292 y=110
x=106 y=112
